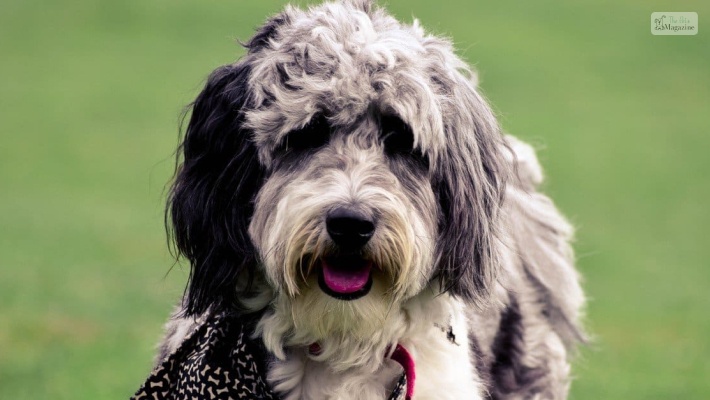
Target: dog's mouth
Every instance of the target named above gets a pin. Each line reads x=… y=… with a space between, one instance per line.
x=345 y=277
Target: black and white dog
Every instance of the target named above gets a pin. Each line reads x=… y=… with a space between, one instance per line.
x=346 y=181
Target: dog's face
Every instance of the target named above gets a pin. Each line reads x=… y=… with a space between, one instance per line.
x=349 y=160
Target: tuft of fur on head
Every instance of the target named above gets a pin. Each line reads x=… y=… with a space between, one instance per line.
x=336 y=106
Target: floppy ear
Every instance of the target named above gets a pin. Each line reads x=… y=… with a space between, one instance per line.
x=469 y=181
x=210 y=202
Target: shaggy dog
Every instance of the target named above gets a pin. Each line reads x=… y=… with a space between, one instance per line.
x=346 y=181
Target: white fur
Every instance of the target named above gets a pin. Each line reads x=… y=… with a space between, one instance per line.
x=443 y=368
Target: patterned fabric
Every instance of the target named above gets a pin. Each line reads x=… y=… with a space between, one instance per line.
x=400 y=390
x=218 y=361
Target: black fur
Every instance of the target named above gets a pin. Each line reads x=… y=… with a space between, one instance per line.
x=211 y=200
x=508 y=374
x=268 y=31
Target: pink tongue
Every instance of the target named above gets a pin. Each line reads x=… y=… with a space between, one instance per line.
x=346 y=280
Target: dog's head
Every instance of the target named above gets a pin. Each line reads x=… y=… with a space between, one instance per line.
x=347 y=160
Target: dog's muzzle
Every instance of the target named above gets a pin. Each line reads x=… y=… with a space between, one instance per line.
x=347 y=275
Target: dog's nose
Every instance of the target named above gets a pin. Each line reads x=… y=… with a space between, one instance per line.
x=348 y=228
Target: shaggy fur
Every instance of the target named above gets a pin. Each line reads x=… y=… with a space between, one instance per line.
x=342 y=106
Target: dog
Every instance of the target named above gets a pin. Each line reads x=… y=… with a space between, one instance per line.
x=346 y=182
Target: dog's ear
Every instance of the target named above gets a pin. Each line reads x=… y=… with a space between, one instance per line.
x=211 y=200
x=469 y=181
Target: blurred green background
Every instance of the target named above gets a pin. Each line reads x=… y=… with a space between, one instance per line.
x=91 y=92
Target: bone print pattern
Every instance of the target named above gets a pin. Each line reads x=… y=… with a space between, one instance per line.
x=218 y=361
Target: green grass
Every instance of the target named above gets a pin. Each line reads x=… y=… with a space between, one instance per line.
x=90 y=94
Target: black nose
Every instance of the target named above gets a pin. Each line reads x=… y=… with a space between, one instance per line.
x=348 y=228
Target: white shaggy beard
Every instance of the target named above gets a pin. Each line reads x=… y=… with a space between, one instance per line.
x=354 y=339
x=356 y=365
x=367 y=327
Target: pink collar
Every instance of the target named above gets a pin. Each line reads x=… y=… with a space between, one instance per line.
x=400 y=355
x=403 y=358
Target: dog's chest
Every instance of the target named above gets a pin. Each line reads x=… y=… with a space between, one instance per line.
x=439 y=348
x=442 y=355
